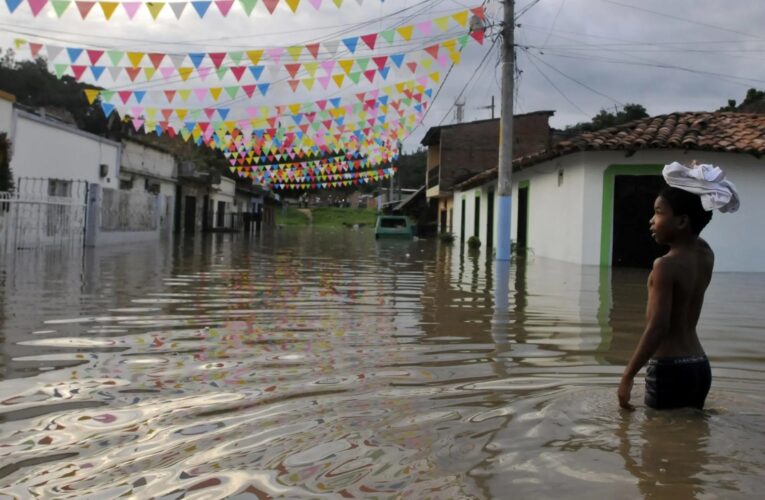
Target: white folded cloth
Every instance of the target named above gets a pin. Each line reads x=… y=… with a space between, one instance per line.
x=707 y=181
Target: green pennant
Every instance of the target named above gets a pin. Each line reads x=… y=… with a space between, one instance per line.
x=309 y=107
x=232 y=91
x=363 y=63
x=406 y=101
x=315 y=126
x=236 y=57
x=61 y=69
x=115 y=56
x=388 y=35
x=221 y=72
x=324 y=115
x=106 y=95
x=248 y=5
x=357 y=108
x=355 y=76
x=195 y=114
x=60 y=6
x=463 y=40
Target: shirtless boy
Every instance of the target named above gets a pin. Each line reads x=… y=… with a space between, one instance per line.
x=678 y=373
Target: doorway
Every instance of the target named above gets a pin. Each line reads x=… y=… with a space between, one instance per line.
x=190 y=215
x=521 y=239
x=490 y=221
x=633 y=245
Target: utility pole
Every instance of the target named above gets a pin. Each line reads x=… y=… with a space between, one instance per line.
x=490 y=106
x=505 y=168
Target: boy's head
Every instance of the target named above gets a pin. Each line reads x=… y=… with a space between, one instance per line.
x=677 y=211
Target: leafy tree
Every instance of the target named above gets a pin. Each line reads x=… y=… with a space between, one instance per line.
x=754 y=102
x=411 y=169
x=604 y=119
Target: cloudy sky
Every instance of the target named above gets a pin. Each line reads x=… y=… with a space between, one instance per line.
x=575 y=56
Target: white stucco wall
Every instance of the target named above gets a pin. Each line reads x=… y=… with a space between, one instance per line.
x=6 y=115
x=143 y=163
x=565 y=221
x=51 y=150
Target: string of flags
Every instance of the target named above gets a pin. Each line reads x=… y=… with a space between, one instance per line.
x=329 y=142
x=140 y=10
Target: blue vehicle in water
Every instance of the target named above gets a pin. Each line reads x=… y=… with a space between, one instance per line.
x=393 y=226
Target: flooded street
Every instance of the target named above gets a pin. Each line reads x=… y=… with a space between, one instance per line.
x=323 y=363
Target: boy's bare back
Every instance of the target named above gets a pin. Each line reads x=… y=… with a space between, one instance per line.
x=690 y=269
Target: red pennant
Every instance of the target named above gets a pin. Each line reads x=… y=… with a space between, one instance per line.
x=35 y=48
x=370 y=40
x=313 y=49
x=209 y=112
x=322 y=103
x=479 y=12
x=169 y=95
x=156 y=59
x=477 y=36
x=412 y=66
x=84 y=8
x=217 y=58
x=292 y=69
x=294 y=84
x=124 y=95
x=370 y=75
x=93 y=55
x=249 y=90
x=271 y=5
x=133 y=73
x=380 y=61
x=433 y=51
x=78 y=70
x=238 y=71
x=167 y=113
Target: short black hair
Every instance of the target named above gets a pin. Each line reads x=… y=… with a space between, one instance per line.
x=685 y=203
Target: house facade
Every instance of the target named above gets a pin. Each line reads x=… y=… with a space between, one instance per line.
x=458 y=152
x=589 y=200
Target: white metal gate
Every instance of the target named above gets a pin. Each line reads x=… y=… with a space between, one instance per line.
x=43 y=212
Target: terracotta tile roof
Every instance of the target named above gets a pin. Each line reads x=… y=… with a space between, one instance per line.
x=728 y=132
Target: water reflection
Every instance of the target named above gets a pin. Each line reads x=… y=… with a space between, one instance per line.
x=308 y=363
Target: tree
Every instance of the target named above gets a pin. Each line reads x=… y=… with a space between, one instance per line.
x=754 y=102
x=411 y=169
x=604 y=119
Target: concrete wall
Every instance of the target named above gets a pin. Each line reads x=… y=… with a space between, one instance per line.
x=42 y=148
x=565 y=219
x=223 y=192
x=142 y=162
x=6 y=113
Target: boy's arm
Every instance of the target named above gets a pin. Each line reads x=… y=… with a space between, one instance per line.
x=658 y=318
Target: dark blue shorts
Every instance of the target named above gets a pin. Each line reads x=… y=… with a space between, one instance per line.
x=677 y=382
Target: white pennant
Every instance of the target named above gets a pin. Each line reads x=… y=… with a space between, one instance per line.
x=114 y=71
x=177 y=59
x=53 y=51
x=331 y=46
x=178 y=8
x=273 y=70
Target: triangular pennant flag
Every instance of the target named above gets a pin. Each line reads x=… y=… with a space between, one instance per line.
x=217 y=58
x=114 y=72
x=461 y=18
x=14 y=4
x=275 y=53
x=155 y=8
x=37 y=5
x=311 y=68
x=59 y=6
x=254 y=56
x=94 y=56
x=84 y=8
x=73 y=53
x=315 y=3
x=185 y=72
x=271 y=5
x=295 y=51
x=425 y=27
x=183 y=94
x=346 y=65
x=331 y=46
x=53 y=51
x=238 y=71
x=131 y=8
x=97 y=71
x=478 y=12
x=91 y=95
x=350 y=43
x=477 y=36
x=135 y=58
x=442 y=22
x=293 y=84
x=178 y=8
x=256 y=71
x=201 y=7
x=362 y=63
x=215 y=93
x=115 y=56
x=388 y=35
x=308 y=83
x=406 y=32
x=156 y=58
x=355 y=77
x=263 y=88
x=248 y=6
x=338 y=3
x=292 y=69
x=149 y=73
x=133 y=73
x=169 y=95
x=224 y=6
x=197 y=58
x=369 y=40
x=78 y=70
x=313 y=49
x=167 y=72
x=432 y=51
x=293 y=4
x=338 y=78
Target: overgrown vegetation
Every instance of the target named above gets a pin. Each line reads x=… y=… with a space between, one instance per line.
x=474 y=243
x=290 y=216
x=605 y=119
x=754 y=102
x=447 y=238
x=326 y=217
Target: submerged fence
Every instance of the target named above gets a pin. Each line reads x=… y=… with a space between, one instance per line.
x=42 y=212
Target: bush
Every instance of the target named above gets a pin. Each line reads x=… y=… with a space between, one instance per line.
x=447 y=238
x=473 y=242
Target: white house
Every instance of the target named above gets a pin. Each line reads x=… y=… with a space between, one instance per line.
x=148 y=168
x=222 y=204
x=6 y=112
x=588 y=200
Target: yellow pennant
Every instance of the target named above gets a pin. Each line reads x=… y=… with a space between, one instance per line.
x=295 y=50
x=293 y=4
x=255 y=55
x=442 y=22
x=311 y=68
x=427 y=63
x=155 y=8
x=151 y=113
x=461 y=18
x=108 y=8
x=149 y=72
x=294 y=108
x=339 y=3
x=338 y=78
x=215 y=92
x=455 y=56
x=92 y=95
x=346 y=64
x=450 y=44
x=435 y=76
x=308 y=83
x=406 y=32
x=181 y=112
x=184 y=94
x=185 y=72
x=135 y=58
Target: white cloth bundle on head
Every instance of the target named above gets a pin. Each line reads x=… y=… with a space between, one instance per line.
x=707 y=181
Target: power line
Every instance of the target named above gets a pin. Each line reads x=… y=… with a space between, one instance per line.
x=531 y=58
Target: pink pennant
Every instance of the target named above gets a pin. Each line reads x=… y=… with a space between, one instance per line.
x=271 y=5
x=124 y=95
x=131 y=8
x=224 y=6
x=422 y=80
x=252 y=111
x=425 y=27
x=201 y=94
x=137 y=124
x=83 y=7
x=209 y=112
x=327 y=66
x=94 y=55
x=136 y=110
x=322 y=103
x=443 y=60
x=275 y=53
x=167 y=72
x=37 y=5
x=324 y=81
x=204 y=72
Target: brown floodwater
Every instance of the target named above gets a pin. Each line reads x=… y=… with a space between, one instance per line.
x=323 y=363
